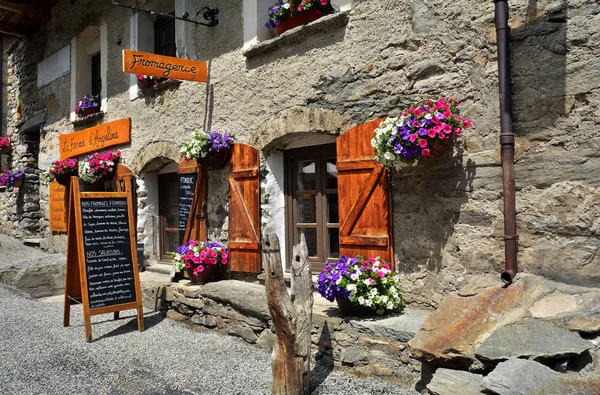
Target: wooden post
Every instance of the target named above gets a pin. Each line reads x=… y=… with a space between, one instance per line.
x=292 y=317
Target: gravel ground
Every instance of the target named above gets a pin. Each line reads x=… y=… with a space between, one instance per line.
x=39 y=356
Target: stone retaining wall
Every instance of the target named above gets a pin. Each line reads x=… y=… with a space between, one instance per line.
x=364 y=347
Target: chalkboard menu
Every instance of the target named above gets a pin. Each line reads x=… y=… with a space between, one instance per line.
x=187 y=186
x=107 y=251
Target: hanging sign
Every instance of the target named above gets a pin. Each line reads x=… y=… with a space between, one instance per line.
x=58 y=207
x=161 y=66
x=102 y=271
x=95 y=139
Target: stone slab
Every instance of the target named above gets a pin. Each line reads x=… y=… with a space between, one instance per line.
x=401 y=328
x=250 y=298
x=520 y=376
x=554 y=304
x=455 y=382
x=458 y=325
x=532 y=339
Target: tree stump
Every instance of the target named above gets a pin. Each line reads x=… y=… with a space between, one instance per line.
x=292 y=317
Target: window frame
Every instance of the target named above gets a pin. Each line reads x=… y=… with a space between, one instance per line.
x=162 y=24
x=319 y=154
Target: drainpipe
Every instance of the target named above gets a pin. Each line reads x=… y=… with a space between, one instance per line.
x=507 y=142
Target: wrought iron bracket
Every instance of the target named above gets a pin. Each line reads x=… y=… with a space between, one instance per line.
x=209 y=14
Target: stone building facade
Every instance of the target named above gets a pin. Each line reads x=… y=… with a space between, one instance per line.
x=369 y=60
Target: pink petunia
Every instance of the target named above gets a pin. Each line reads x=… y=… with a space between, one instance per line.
x=422 y=143
x=224 y=261
x=425 y=152
x=457 y=131
x=431 y=133
x=324 y=2
x=413 y=137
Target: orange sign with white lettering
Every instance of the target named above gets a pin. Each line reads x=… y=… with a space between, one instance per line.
x=161 y=66
x=95 y=139
x=58 y=208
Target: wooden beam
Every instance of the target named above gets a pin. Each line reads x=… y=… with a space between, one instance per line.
x=12 y=30
x=24 y=8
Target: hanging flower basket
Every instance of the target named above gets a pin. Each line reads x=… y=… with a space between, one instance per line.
x=64 y=179
x=99 y=167
x=421 y=134
x=215 y=160
x=4 y=145
x=211 y=150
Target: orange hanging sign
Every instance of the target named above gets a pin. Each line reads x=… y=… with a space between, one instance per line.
x=161 y=66
x=95 y=139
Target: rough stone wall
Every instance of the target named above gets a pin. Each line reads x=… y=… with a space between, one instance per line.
x=448 y=216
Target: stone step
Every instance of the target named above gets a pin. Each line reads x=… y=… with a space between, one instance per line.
x=161 y=268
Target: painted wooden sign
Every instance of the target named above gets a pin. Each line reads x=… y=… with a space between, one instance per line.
x=102 y=270
x=58 y=208
x=161 y=66
x=95 y=138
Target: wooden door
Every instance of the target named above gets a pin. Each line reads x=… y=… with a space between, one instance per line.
x=168 y=186
x=365 y=204
x=244 y=210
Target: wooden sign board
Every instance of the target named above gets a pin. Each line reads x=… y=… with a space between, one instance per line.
x=161 y=66
x=102 y=270
x=95 y=138
x=187 y=186
x=58 y=207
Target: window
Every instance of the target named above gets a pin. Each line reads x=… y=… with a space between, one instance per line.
x=89 y=58
x=312 y=202
x=164 y=36
x=96 y=76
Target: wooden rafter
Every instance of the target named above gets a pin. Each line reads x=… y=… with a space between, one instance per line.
x=24 y=8
x=12 y=30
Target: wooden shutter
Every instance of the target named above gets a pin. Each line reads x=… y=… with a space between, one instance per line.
x=365 y=205
x=244 y=210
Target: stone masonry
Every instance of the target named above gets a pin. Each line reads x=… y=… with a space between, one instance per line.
x=369 y=63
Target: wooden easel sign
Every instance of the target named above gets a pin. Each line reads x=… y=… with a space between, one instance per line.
x=102 y=270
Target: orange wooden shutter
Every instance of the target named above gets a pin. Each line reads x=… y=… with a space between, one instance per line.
x=244 y=210
x=365 y=205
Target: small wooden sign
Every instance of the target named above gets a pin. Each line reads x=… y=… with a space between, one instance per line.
x=58 y=207
x=161 y=66
x=102 y=270
x=95 y=138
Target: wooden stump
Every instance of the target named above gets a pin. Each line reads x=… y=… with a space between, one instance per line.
x=292 y=317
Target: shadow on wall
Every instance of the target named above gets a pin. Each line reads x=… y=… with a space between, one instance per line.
x=427 y=201
x=538 y=61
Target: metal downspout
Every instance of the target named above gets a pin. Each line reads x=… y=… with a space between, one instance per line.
x=507 y=142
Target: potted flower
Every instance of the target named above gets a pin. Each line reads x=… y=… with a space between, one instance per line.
x=211 y=150
x=421 y=133
x=288 y=14
x=4 y=145
x=87 y=106
x=360 y=286
x=200 y=259
x=99 y=166
x=61 y=171
x=12 y=178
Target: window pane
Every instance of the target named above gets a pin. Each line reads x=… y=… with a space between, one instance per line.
x=332 y=209
x=306 y=176
x=331 y=174
x=307 y=209
x=333 y=241
x=310 y=235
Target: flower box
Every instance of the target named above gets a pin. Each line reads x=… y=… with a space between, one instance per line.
x=88 y=105
x=288 y=14
x=12 y=178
